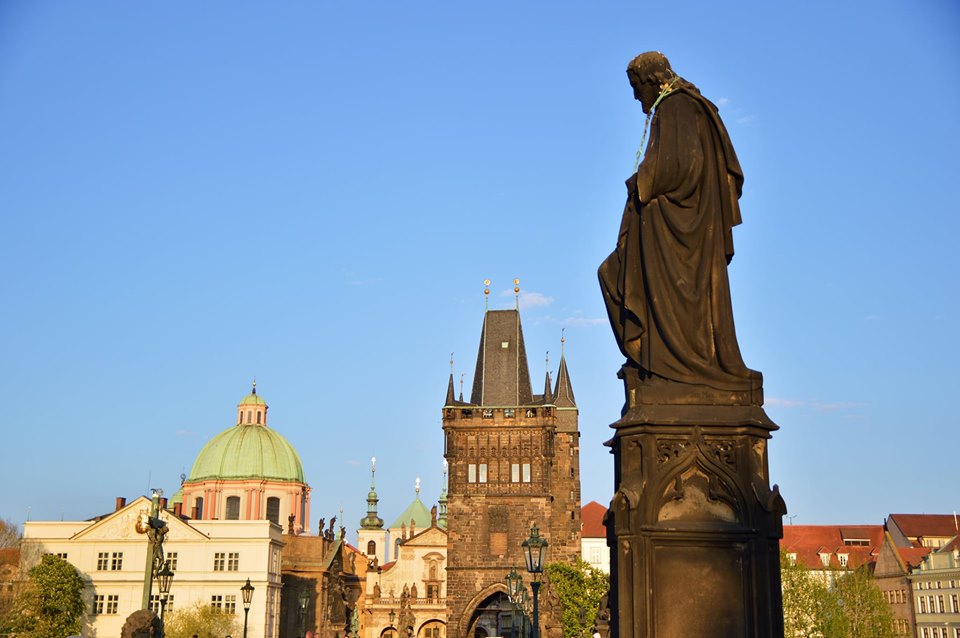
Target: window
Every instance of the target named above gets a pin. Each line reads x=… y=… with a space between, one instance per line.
x=433 y=592
x=172 y=559
x=249 y=416
x=843 y=559
x=940 y=606
x=923 y=604
x=825 y=559
x=116 y=561
x=273 y=509
x=219 y=559
x=483 y=473
x=792 y=557
x=955 y=606
x=488 y=413
x=230 y=603
x=97 y=605
x=198 y=505
x=433 y=629
x=216 y=601
x=924 y=632
x=472 y=473
x=508 y=413
x=526 y=472
x=113 y=602
x=515 y=472
x=233 y=508
x=371 y=548
x=233 y=561
x=62 y=555
x=103 y=562
x=594 y=555
x=258 y=417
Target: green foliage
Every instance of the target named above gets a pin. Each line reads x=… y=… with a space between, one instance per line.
x=579 y=588
x=853 y=608
x=202 y=620
x=50 y=604
x=865 y=612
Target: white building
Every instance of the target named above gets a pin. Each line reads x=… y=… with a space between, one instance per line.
x=593 y=539
x=211 y=560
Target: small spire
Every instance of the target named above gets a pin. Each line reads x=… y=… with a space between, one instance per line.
x=451 y=364
x=486 y=293
x=450 y=400
x=516 y=292
x=461 y=387
x=417 y=486
x=562 y=340
x=373 y=472
x=254 y=391
x=442 y=501
x=563 y=391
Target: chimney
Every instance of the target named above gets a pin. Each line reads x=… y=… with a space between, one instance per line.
x=121 y=503
x=178 y=510
x=193 y=513
x=163 y=502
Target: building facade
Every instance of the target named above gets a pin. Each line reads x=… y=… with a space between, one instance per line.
x=594 y=550
x=513 y=463
x=211 y=561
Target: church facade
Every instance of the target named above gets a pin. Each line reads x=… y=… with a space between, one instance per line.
x=513 y=463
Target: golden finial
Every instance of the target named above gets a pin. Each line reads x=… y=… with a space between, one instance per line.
x=516 y=291
x=254 y=391
x=486 y=293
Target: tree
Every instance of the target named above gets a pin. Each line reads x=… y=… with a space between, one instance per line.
x=202 y=620
x=865 y=612
x=9 y=533
x=853 y=607
x=810 y=609
x=51 y=602
x=579 y=588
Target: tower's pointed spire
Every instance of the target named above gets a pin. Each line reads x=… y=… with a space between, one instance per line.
x=371 y=520
x=563 y=391
x=451 y=397
x=547 y=392
x=442 y=501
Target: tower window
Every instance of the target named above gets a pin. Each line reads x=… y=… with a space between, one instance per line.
x=472 y=473
x=483 y=473
x=526 y=472
x=371 y=548
x=249 y=416
x=258 y=417
x=515 y=472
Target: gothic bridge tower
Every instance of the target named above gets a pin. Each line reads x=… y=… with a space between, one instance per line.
x=514 y=462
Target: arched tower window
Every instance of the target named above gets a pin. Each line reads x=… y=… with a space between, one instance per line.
x=371 y=548
x=273 y=509
x=233 y=508
x=198 y=504
x=249 y=416
x=258 y=417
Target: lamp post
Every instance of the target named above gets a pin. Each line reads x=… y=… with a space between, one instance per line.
x=304 y=602
x=164 y=580
x=393 y=617
x=247 y=592
x=514 y=583
x=534 y=548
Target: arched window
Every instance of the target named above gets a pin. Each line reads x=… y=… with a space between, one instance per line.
x=396 y=550
x=389 y=632
x=433 y=629
x=198 y=504
x=371 y=548
x=258 y=417
x=233 y=508
x=273 y=509
x=249 y=416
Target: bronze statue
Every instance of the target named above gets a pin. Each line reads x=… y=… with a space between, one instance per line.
x=665 y=285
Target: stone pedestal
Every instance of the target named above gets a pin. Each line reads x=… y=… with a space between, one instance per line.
x=694 y=526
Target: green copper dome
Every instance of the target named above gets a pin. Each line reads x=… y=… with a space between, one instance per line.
x=248 y=451
x=418 y=512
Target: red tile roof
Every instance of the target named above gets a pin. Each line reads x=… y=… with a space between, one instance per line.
x=591 y=519
x=808 y=542
x=913 y=556
x=918 y=525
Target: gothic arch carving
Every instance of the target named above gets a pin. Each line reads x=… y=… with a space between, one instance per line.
x=463 y=625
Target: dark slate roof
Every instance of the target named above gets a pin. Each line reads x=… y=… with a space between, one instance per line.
x=564 y=391
x=451 y=397
x=502 y=377
x=547 y=398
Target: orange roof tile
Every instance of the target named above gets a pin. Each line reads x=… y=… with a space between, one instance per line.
x=591 y=519
x=808 y=542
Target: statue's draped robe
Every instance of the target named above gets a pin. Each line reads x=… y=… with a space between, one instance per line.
x=665 y=285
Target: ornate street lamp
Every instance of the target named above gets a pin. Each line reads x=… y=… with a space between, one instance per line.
x=535 y=548
x=393 y=617
x=164 y=580
x=304 y=602
x=247 y=592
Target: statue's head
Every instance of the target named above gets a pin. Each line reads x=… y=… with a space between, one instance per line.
x=648 y=72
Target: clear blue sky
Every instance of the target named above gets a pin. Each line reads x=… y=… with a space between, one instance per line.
x=196 y=194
